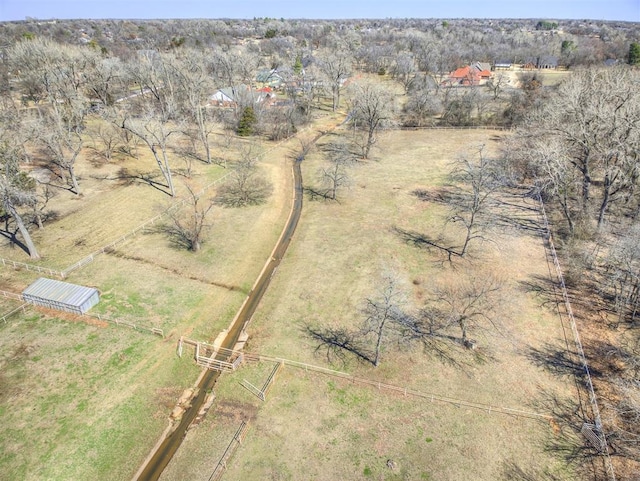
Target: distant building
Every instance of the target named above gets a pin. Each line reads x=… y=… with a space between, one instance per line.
x=548 y=62
x=502 y=65
x=469 y=75
x=242 y=94
x=542 y=63
x=269 y=77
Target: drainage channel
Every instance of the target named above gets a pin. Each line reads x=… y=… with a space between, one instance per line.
x=160 y=458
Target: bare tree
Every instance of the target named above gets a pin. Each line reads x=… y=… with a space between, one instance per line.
x=463 y=305
x=105 y=137
x=16 y=190
x=61 y=143
x=150 y=72
x=477 y=181
x=336 y=68
x=497 y=83
x=383 y=311
x=190 y=220
x=404 y=70
x=192 y=72
x=105 y=79
x=245 y=186
x=372 y=109
x=154 y=131
x=336 y=175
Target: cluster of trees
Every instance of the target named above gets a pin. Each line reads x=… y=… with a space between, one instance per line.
x=579 y=151
x=64 y=100
x=481 y=39
x=580 y=146
x=452 y=311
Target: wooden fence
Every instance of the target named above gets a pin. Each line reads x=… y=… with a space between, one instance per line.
x=12 y=312
x=31 y=267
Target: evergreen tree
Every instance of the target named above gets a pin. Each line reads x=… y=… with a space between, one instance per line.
x=247 y=122
x=634 y=54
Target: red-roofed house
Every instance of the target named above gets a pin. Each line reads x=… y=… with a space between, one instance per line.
x=469 y=75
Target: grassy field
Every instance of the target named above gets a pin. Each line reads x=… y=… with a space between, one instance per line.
x=87 y=400
x=322 y=428
x=83 y=400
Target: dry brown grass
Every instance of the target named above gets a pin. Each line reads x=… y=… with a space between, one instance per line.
x=316 y=427
x=83 y=400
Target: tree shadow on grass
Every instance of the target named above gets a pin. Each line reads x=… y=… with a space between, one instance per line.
x=560 y=361
x=315 y=194
x=422 y=241
x=12 y=236
x=505 y=212
x=341 y=344
x=337 y=343
x=565 y=439
x=544 y=288
x=129 y=178
x=514 y=471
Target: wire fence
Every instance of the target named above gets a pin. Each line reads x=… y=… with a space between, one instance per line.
x=405 y=391
x=454 y=127
x=145 y=225
x=236 y=441
x=596 y=435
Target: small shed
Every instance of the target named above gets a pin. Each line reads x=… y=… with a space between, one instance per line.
x=62 y=296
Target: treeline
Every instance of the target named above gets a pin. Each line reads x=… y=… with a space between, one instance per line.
x=477 y=39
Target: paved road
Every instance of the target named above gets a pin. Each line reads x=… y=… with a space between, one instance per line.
x=161 y=457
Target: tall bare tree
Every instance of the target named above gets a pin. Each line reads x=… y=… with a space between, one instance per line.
x=404 y=70
x=59 y=73
x=372 y=109
x=154 y=131
x=477 y=180
x=382 y=311
x=193 y=72
x=336 y=69
x=16 y=190
x=335 y=175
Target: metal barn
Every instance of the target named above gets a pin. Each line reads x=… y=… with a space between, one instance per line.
x=62 y=296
